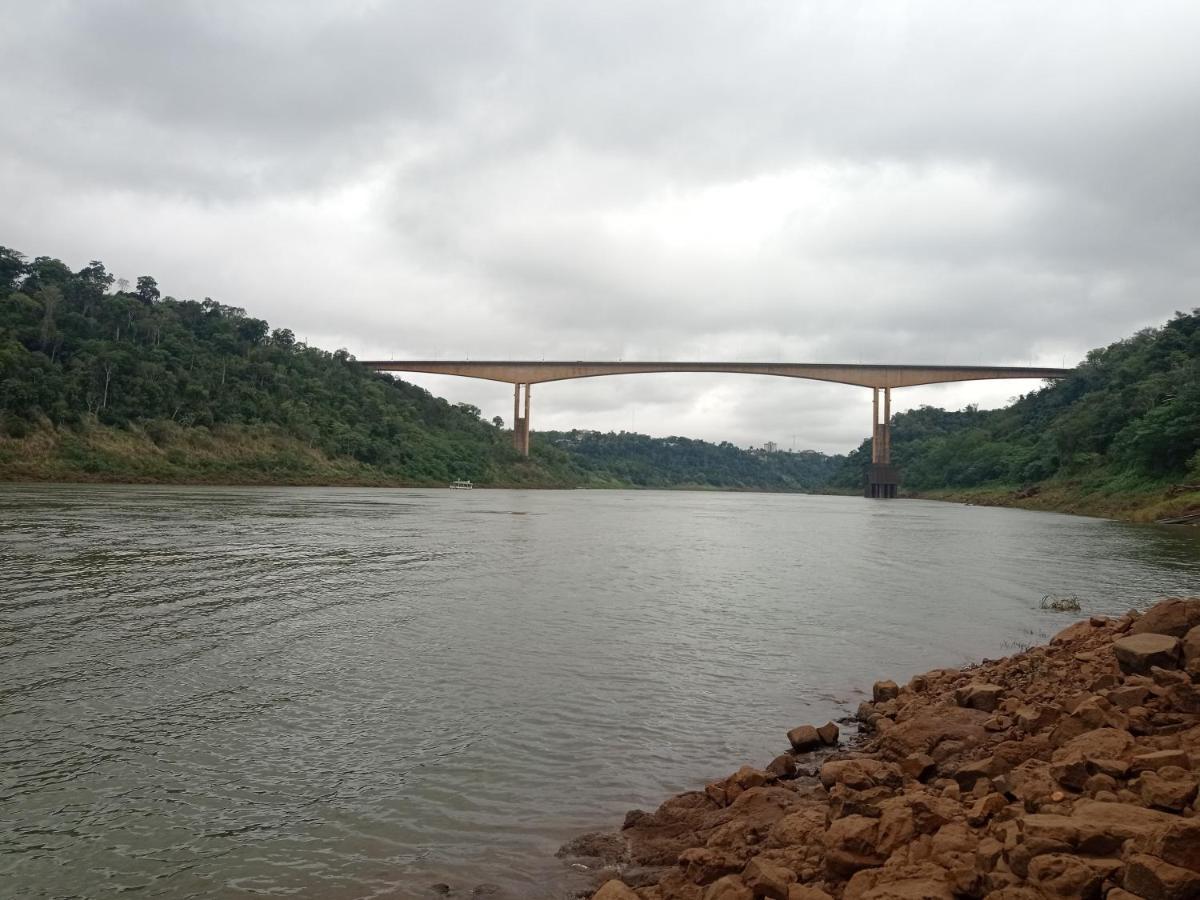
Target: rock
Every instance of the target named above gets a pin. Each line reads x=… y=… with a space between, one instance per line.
x=1184 y=698
x=926 y=730
x=441 y=889
x=615 y=890
x=767 y=879
x=748 y=777
x=859 y=773
x=1177 y=843
x=1127 y=697
x=783 y=766
x=984 y=808
x=1190 y=648
x=1141 y=652
x=607 y=848
x=850 y=845
x=804 y=892
x=882 y=691
x=1064 y=875
x=989 y=767
x=1152 y=878
x=1174 y=616
x=1090 y=713
x=1094 y=828
x=1168 y=788
x=728 y=888
x=1152 y=762
x=804 y=738
x=828 y=734
x=982 y=696
x=918 y=766
x=1036 y=718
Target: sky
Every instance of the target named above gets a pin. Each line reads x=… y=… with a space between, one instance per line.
x=895 y=182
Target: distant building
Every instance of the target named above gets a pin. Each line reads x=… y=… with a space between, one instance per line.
x=770 y=446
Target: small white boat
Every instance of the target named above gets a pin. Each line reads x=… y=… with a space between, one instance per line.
x=461 y=485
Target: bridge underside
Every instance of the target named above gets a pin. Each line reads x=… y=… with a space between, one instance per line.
x=883 y=478
x=842 y=373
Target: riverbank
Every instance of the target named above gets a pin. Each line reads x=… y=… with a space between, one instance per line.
x=1145 y=504
x=1066 y=770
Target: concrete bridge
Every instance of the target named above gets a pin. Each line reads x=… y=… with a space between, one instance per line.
x=883 y=478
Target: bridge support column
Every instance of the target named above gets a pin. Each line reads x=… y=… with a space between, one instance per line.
x=520 y=422
x=883 y=479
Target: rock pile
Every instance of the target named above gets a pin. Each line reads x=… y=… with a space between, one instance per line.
x=1066 y=771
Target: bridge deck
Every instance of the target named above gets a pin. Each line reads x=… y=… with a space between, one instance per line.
x=872 y=376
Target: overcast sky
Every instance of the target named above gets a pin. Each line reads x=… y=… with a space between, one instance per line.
x=995 y=183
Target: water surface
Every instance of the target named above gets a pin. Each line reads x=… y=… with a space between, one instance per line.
x=344 y=693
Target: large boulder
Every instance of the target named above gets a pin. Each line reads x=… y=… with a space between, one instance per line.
x=1154 y=879
x=804 y=738
x=978 y=695
x=1191 y=650
x=615 y=890
x=1175 y=616
x=1138 y=653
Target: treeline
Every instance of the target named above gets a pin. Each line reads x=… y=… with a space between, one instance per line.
x=79 y=350
x=1126 y=417
x=665 y=462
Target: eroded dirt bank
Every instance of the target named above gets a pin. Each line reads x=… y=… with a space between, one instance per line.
x=1066 y=771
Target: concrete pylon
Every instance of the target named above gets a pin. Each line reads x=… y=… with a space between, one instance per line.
x=883 y=479
x=521 y=422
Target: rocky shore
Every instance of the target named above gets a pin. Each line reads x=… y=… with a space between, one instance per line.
x=1069 y=770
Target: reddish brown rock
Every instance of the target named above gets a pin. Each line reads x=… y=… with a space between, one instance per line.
x=1064 y=875
x=982 y=696
x=828 y=734
x=804 y=892
x=882 y=691
x=1169 y=788
x=918 y=766
x=1142 y=651
x=1152 y=762
x=1190 y=648
x=615 y=890
x=783 y=766
x=804 y=738
x=728 y=888
x=1177 y=843
x=767 y=879
x=1154 y=879
x=1175 y=616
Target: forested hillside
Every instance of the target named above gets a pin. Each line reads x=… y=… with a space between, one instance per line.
x=1126 y=420
x=664 y=462
x=104 y=380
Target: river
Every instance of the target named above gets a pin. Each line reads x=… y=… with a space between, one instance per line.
x=347 y=693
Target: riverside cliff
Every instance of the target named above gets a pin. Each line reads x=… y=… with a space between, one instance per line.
x=1069 y=770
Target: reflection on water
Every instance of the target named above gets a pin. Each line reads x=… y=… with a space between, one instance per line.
x=355 y=693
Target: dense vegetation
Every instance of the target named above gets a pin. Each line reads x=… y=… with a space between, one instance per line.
x=102 y=380
x=664 y=462
x=1128 y=418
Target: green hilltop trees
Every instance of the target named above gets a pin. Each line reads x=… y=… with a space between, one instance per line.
x=1128 y=415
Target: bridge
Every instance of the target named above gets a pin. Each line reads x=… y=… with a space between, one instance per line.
x=882 y=479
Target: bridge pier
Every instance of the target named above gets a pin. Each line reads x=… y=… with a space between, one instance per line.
x=883 y=479
x=521 y=422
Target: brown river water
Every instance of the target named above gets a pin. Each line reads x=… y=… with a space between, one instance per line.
x=351 y=693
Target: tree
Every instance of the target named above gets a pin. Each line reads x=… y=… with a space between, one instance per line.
x=147 y=289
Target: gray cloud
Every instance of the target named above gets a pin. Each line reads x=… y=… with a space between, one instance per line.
x=815 y=181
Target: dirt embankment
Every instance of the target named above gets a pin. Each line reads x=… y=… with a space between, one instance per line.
x=1066 y=771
